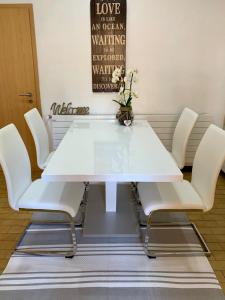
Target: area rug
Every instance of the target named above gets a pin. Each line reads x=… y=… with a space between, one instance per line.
x=109 y=268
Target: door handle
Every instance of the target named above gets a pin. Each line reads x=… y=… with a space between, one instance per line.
x=28 y=94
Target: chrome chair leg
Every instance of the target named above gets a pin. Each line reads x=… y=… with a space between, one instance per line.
x=83 y=206
x=73 y=238
x=135 y=191
x=137 y=204
x=66 y=254
x=87 y=185
x=150 y=254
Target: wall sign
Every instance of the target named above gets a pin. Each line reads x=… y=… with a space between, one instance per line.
x=108 y=41
x=67 y=109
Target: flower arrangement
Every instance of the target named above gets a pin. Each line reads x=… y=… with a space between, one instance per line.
x=126 y=93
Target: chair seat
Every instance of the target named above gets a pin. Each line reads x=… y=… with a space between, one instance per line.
x=47 y=160
x=171 y=196
x=52 y=196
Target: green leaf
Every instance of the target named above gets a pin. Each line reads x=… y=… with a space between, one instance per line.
x=121 y=104
x=129 y=101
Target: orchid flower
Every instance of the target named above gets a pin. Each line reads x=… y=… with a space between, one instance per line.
x=125 y=94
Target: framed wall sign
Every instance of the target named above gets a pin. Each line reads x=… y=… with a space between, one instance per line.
x=108 y=42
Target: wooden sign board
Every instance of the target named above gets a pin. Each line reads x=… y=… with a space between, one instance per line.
x=108 y=41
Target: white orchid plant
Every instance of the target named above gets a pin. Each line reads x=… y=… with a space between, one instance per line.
x=125 y=81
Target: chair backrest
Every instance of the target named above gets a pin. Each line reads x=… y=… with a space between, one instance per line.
x=15 y=163
x=207 y=164
x=40 y=135
x=181 y=135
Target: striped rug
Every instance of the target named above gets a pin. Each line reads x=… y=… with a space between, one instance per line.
x=109 y=268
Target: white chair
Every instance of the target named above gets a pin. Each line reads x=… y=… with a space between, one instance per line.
x=181 y=135
x=23 y=194
x=40 y=136
x=185 y=196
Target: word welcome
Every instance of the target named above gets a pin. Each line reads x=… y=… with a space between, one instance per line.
x=67 y=109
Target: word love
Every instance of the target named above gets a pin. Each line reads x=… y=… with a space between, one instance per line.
x=107 y=8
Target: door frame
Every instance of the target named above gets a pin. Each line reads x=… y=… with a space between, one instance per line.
x=33 y=45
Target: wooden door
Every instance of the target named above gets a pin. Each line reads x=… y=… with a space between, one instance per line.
x=19 y=88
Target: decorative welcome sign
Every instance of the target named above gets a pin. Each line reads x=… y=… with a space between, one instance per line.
x=108 y=41
x=67 y=109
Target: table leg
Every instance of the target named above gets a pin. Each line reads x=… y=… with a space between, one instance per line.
x=110 y=196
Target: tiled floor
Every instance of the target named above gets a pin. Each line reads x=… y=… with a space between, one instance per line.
x=211 y=225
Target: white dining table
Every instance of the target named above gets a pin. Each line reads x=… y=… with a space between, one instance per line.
x=105 y=151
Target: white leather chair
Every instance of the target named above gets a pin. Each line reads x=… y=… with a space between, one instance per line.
x=40 y=136
x=23 y=194
x=181 y=135
x=184 y=196
x=182 y=132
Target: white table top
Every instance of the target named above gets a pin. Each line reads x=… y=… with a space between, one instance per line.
x=103 y=150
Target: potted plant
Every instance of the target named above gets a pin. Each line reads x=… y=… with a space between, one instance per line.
x=125 y=95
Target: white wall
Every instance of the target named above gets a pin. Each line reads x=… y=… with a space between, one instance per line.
x=178 y=47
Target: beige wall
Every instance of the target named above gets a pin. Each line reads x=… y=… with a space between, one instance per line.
x=178 y=47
